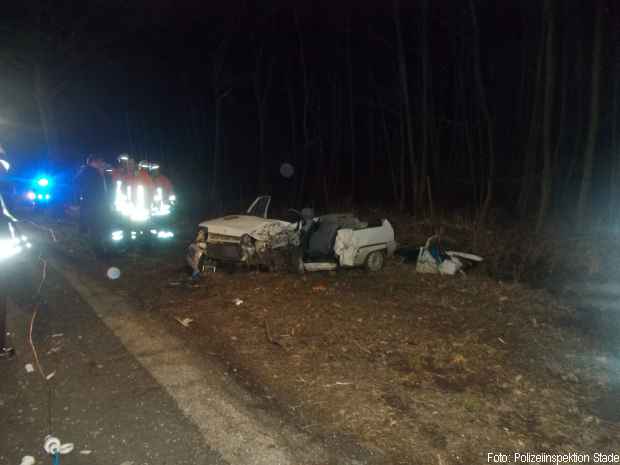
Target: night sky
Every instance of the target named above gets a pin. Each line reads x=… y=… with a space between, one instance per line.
x=159 y=79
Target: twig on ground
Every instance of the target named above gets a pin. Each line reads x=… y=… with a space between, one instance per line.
x=361 y=347
x=270 y=338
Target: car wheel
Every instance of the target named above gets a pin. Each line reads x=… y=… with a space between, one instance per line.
x=375 y=260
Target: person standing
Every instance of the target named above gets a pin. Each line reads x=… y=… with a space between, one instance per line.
x=93 y=199
x=162 y=182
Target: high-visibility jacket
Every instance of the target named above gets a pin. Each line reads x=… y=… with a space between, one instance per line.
x=163 y=183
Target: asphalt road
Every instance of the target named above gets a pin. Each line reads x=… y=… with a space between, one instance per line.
x=100 y=398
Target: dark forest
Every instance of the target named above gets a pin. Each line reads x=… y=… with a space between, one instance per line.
x=417 y=106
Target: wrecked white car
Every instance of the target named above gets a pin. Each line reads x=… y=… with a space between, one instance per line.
x=306 y=243
x=342 y=240
x=250 y=238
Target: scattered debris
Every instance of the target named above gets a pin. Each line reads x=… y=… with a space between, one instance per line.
x=185 y=321
x=53 y=446
x=28 y=460
x=433 y=259
x=238 y=302
x=29 y=368
x=338 y=383
x=58 y=335
x=86 y=452
x=50 y=376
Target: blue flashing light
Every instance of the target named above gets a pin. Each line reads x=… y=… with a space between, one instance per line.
x=43 y=182
x=40 y=196
x=47 y=196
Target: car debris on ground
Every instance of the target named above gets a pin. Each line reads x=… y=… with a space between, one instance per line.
x=185 y=321
x=432 y=258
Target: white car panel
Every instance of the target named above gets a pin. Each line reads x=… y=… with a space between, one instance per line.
x=237 y=225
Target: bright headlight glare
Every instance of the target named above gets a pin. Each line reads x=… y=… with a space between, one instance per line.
x=165 y=234
x=161 y=211
x=117 y=236
x=125 y=206
x=11 y=247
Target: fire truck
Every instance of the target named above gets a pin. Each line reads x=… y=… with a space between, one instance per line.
x=142 y=204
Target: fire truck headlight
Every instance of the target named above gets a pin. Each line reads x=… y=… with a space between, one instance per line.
x=117 y=236
x=31 y=195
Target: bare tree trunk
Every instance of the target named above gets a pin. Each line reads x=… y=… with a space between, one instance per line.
x=579 y=121
x=407 y=117
x=614 y=178
x=566 y=57
x=305 y=109
x=490 y=143
x=322 y=182
x=614 y=186
x=43 y=104
x=547 y=174
x=389 y=150
x=293 y=116
x=472 y=164
x=294 y=141
x=351 y=113
x=422 y=180
x=403 y=157
x=262 y=86
x=586 y=179
x=531 y=147
x=219 y=94
x=336 y=132
x=371 y=142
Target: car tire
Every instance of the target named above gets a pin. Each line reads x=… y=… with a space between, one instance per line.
x=375 y=260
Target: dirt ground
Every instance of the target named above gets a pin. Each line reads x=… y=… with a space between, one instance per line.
x=417 y=369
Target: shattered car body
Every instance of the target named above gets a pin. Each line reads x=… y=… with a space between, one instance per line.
x=308 y=244
x=249 y=238
x=342 y=240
